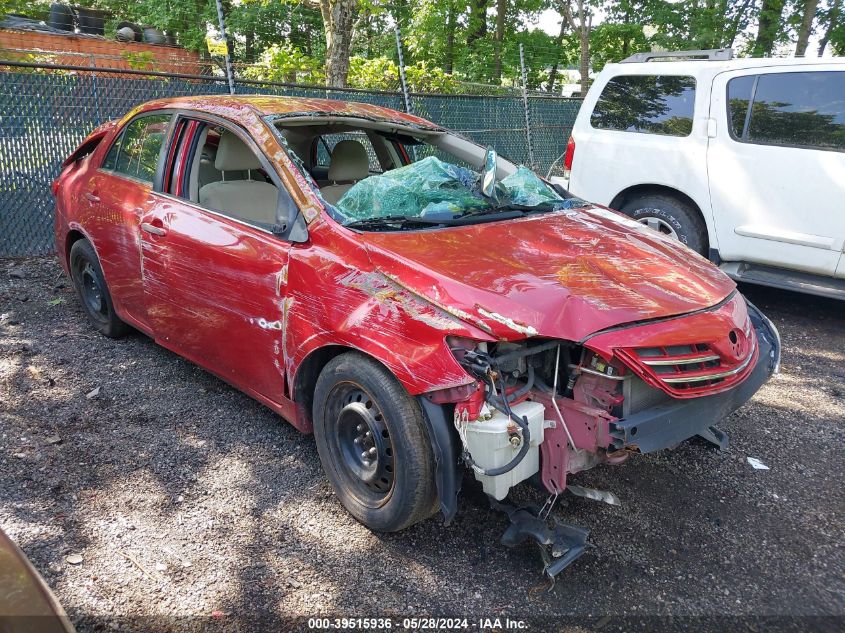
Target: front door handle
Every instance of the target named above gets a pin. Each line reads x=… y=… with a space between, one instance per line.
x=152 y=228
x=92 y=197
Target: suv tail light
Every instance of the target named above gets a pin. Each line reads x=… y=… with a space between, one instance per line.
x=568 y=156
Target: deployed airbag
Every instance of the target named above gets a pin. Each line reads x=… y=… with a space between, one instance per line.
x=432 y=187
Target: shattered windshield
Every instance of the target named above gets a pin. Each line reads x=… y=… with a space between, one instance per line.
x=437 y=192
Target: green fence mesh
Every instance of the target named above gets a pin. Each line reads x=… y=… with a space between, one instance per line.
x=45 y=114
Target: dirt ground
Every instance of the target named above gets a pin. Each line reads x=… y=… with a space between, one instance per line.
x=186 y=499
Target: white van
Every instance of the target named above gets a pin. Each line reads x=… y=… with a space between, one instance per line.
x=742 y=160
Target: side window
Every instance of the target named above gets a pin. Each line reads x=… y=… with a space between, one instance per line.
x=739 y=98
x=140 y=147
x=222 y=173
x=326 y=143
x=111 y=158
x=652 y=104
x=799 y=109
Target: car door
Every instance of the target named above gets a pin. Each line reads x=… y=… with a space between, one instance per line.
x=776 y=164
x=118 y=194
x=214 y=279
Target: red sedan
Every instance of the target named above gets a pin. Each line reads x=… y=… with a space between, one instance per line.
x=409 y=297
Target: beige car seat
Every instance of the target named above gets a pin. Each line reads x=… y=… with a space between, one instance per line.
x=248 y=200
x=349 y=164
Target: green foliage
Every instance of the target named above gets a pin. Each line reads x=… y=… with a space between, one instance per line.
x=453 y=45
x=286 y=63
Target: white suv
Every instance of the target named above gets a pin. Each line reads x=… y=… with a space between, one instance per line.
x=743 y=160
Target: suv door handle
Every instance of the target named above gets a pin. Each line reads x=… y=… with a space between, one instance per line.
x=92 y=197
x=152 y=228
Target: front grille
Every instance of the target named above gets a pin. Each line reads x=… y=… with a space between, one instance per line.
x=691 y=369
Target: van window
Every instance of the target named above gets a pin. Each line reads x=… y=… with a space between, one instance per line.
x=799 y=109
x=653 y=104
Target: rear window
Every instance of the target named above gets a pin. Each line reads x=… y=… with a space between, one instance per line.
x=798 y=109
x=650 y=104
x=326 y=143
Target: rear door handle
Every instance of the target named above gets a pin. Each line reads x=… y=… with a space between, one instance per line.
x=151 y=228
x=92 y=197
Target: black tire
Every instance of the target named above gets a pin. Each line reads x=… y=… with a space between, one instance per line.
x=683 y=219
x=394 y=487
x=87 y=276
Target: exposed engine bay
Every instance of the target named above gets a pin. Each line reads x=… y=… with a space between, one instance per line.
x=546 y=410
x=552 y=399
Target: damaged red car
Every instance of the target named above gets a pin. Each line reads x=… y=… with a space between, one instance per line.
x=417 y=302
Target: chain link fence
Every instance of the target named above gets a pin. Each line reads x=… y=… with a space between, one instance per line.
x=46 y=110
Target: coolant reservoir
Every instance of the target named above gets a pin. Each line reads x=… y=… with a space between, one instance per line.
x=490 y=446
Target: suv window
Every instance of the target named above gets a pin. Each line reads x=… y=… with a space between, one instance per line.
x=653 y=104
x=796 y=109
x=140 y=145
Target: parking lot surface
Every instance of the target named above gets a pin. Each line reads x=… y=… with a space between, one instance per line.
x=185 y=498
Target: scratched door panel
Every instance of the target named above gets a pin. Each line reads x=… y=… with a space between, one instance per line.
x=121 y=203
x=214 y=292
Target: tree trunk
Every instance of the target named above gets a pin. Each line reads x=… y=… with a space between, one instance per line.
x=558 y=45
x=585 y=60
x=501 y=11
x=769 y=27
x=451 y=19
x=733 y=31
x=249 y=46
x=583 y=27
x=833 y=16
x=477 y=26
x=806 y=26
x=338 y=18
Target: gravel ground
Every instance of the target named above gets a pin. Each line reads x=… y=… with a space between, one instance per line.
x=186 y=498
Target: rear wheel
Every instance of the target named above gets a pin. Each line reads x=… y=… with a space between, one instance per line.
x=671 y=217
x=373 y=444
x=91 y=287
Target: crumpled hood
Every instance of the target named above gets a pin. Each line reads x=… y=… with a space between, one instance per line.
x=563 y=275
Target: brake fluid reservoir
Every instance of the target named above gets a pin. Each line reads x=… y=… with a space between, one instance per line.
x=489 y=443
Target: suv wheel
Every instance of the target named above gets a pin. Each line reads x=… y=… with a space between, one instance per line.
x=87 y=276
x=373 y=444
x=671 y=217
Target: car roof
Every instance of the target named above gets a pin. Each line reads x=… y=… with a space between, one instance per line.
x=693 y=65
x=236 y=107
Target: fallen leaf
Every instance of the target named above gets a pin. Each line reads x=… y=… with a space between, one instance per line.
x=93 y=393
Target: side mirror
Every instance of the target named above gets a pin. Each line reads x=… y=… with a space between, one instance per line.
x=488 y=174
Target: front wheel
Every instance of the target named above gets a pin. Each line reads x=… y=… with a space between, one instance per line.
x=373 y=444
x=671 y=217
x=87 y=276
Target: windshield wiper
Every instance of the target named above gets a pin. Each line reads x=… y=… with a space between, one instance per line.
x=390 y=220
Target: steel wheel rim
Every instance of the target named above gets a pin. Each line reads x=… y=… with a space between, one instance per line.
x=92 y=291
x=360 y=443
x=660 y=225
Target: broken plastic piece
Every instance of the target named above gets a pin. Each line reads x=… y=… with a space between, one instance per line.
x=715 y=436
x=596 y=495
x=756 y=464
x=560 y=544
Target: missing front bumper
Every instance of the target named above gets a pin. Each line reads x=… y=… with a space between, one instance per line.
x=673 y=422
